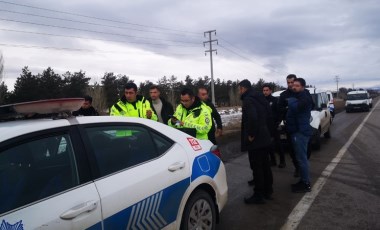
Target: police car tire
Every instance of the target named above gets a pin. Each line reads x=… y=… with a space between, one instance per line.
x=195 y=198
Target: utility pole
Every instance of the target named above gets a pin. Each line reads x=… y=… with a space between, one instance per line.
x=337 y=78
x=210 y=50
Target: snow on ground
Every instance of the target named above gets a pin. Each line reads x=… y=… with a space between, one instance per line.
x=230 y=116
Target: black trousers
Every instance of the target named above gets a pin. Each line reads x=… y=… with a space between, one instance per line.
x=277 y=146
x=262 y=172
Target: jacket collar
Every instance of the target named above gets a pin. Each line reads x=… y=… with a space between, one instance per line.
x=197 y=103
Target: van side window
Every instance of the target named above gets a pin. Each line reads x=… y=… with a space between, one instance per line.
x=120 y=147
x=37 y=169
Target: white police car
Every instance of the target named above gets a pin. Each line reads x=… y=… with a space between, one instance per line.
x=106 y=173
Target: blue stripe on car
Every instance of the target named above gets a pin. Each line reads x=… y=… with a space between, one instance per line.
x=161 y=208
x=206 y=164
x=154 y=212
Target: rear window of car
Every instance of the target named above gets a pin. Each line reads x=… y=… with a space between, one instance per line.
x=36 y=169
x=120 y=147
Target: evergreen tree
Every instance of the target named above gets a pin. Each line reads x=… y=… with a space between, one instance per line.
x=26 y=87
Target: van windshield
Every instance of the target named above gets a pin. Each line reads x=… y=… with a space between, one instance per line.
x=360 y=96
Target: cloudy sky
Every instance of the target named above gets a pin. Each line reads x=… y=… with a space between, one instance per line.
x=315 y=39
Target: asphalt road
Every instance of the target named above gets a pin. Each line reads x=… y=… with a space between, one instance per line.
x=350 y=198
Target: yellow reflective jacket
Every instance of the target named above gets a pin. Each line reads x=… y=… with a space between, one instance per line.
x=136 y=109
x=197 y=117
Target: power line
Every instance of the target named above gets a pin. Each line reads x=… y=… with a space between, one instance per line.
x=97 y=18
x=73 y=49
x=94 y=31
x=96 y=39
x=248 y=59
x=96 y=24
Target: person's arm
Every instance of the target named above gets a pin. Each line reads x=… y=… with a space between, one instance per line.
x=252 y=122
x=147 y=107
x=114 y=111
x=216 y=116
x=204 y=122
x=170 y=108
x=281 y=107
x=76 y=113
x=275 y=110
x=177 y=114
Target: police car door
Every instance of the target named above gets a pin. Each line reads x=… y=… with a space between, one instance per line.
x=142 y=176
x=41 y=186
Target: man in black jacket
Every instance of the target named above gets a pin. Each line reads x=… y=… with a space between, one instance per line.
x=255 y=137
x=160 y=106
x=273 y=101
x=203 y=95
x=86 y=109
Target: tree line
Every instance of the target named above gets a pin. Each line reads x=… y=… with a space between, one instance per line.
x=49 y=85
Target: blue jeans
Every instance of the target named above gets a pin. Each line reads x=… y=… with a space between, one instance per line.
x=300 y=142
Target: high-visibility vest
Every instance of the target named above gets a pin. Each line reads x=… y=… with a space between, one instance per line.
x=198 y=118
x=137 y=109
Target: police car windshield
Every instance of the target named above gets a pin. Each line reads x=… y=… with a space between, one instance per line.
x=360 y=96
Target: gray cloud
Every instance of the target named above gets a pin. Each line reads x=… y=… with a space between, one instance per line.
x=314 y=38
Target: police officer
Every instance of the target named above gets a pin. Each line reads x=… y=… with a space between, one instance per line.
x=193 y=114
x=273 y=101
x=133 y=105
x=203 y=95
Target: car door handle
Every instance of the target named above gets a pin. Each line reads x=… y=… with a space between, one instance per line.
x=176 y=166
x=79 y=209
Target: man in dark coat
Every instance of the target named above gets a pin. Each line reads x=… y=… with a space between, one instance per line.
x=86 y=109
x=255 y=137
x=203 y=95
x=282 y=110
x=273 y=102
x=160 y=106
x=298 y=126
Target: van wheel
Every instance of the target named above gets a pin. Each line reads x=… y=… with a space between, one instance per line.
x=327 y=134
x=347 y=111
x=200 y=212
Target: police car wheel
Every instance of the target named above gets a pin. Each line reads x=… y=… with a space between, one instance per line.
x=200 y=212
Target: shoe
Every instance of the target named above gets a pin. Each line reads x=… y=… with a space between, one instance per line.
x=301 y=188
x=297 y=184
x=273 y=163
x=282 y=165
x=296 y=173
x=268 y=197
x=254 y=200
x=251 y=182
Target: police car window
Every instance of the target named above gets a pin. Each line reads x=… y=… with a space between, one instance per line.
x=162 y=143
x=120 y=147
x=34 y=170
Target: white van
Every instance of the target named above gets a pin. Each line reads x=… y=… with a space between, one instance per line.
x=358 y=100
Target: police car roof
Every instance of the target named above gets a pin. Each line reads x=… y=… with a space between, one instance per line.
x=11 y=129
